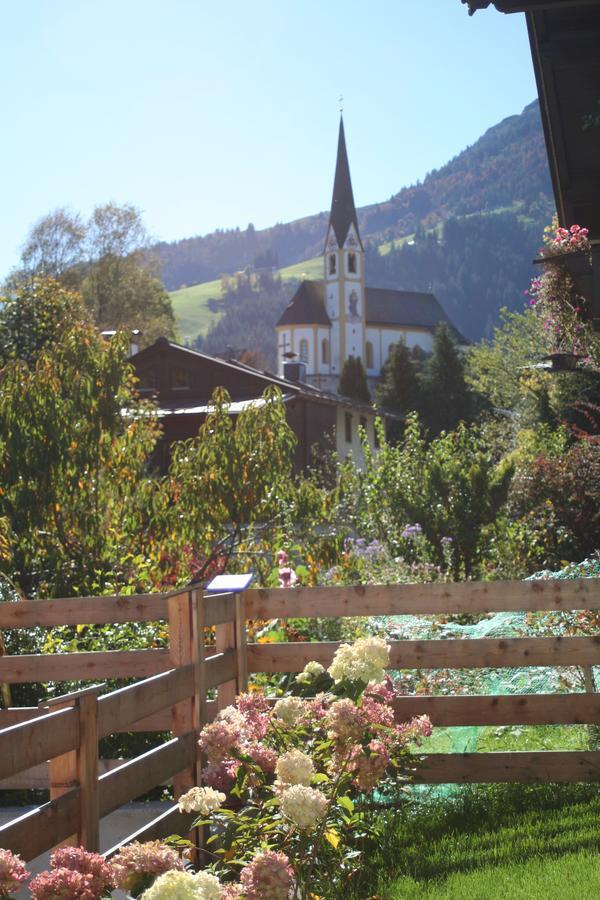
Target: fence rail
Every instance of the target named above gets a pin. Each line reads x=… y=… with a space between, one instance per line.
x=57 y=746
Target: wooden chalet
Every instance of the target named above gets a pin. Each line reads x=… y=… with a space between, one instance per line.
x=182 y=382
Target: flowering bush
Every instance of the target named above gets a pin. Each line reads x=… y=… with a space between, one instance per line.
x=12 y=873
x=306 y=778
x=555 y=294
x=137 y=865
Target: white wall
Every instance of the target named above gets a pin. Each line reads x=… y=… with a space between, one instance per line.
x=354 y=446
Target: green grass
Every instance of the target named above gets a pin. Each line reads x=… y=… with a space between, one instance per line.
x=492 y=842
x=190 y=304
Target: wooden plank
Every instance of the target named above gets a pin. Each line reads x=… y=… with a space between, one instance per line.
x=221 y=668
x=170 y=822
x=83 y=611
x=30 y=743
x=225 y=643
x=42 y=828
x=87 y=771
x=118 y=710
x=438 y=654
x=424 y=599
x=83 y=666
x=479 y=768
x=14 y=715
x=517 y=709
x=219 y=608
x=38 y=777
x=135 y=777
x=183 y=653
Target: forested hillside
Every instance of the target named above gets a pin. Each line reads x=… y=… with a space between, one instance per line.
x=506 y=167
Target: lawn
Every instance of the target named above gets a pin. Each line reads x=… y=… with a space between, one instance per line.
x=491 y=843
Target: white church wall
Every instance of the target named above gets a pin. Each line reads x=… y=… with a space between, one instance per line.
x=305 y=334
x=323 y=334
x=343 y=446
x=373 y=335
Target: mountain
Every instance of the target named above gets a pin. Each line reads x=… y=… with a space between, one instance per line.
x=505 y=169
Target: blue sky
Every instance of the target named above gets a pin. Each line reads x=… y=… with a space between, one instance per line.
x=212 y=115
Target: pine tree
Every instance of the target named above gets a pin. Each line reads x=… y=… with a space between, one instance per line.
x=399 y=388
x=353 y=381
x=448 y=398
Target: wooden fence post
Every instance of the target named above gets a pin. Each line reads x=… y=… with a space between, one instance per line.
x=199 y=625
x=182 y=651
x=79 y=767
x=241 y=642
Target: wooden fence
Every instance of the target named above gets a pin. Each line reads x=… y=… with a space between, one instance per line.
x=56 y=746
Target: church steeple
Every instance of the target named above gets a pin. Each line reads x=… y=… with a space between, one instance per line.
x=343 y=211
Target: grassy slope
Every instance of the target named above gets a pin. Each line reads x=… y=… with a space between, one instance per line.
x=190 y=304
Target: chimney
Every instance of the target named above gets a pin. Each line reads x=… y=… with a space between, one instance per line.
x=135 y=341
x=294 y=371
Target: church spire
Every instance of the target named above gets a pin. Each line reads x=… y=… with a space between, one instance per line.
x=343 y=211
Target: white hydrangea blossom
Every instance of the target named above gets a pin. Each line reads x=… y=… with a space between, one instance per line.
x=203 y=800
x=311 y=671
x=175 y=885
x=294 y=767
x=233 y=716
x=305 y=806
x=363 y=661
x=289 y=709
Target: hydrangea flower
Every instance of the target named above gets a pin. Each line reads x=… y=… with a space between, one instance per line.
x=219 y=739
x=305 y=806
x=93 y=864
x=136 y=865
x=268 y=877
x=310 y=673
x=12 y=873
x=184 y=886
x=294 y=767
x=63 y=884
x=289 y=709
x=203 y=800
x=363 y=661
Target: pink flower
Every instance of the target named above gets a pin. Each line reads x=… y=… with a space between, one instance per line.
x=136 y=865
x=281 y=558
x=268 y=877
x=287 y=577
x=63 y=884
x=262 y=756
x=345 y=721
x=12 y=873
x=219 y=739
x=220 y=776
x=79 y=860
x=256 y=713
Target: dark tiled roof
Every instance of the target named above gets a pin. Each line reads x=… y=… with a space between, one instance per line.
x=343 y=211
x=307 y=306
x=404 y=309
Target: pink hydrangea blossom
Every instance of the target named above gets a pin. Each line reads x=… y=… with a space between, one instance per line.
x=12 y=873
x=345 y=721
x=79 y=860
x=219 y=739
x=63 y=884
x=255 y=710
x=268 y=877
x=136 y=865
x=220 y=776
x=261 y=755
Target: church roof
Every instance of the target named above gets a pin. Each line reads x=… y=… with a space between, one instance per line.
x=307 y=306
x=402 y=309
x=343 y=211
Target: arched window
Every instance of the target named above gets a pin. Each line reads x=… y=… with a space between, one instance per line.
x=332 y=263
x=352 y=263
x=325 y=352
x=304 y=351
x=369 y=349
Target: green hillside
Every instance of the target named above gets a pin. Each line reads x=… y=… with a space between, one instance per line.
x=190 y=304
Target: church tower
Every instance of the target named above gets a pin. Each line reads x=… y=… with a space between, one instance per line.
x=344 y=274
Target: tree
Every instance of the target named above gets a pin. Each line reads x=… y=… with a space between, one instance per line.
x=55 y=247
x=353 y=381
x=229 y=480
x=399 y=387
x=447 y=396
x=72 y=465
x=108 y=261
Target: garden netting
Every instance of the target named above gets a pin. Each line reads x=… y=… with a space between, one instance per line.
x=526 y=680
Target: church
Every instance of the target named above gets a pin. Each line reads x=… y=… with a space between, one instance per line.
x=327 y=321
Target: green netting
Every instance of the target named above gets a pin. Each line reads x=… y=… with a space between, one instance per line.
x=526 y=680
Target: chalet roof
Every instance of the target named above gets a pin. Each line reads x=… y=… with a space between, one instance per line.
x=290 y=389
x=343 y=210
x=403 y=309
